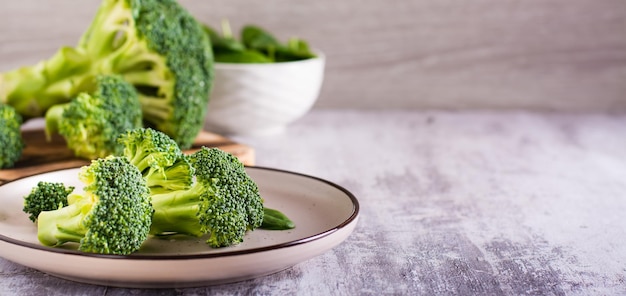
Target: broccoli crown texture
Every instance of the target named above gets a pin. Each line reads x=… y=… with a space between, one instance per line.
x=231 y=177
x=159 y=159
x=156 y=45
x=93 y=121
x=46 y=196
x=173 y=32
x=10 y=136
x=223 y=202
x=111 y=216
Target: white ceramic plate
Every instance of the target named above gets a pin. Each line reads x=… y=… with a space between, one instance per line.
x=324 y=213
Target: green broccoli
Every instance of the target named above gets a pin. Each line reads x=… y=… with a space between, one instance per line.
x=208 y=191
x=111 y=216
x=156 y=45
x=93 y=121
x=10 y=136
x=223 y=202
x=161 y=162
x=46 y=196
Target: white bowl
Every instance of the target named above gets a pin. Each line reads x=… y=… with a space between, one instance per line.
x=262 y=99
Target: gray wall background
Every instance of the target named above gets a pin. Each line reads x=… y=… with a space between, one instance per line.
x=565 y=55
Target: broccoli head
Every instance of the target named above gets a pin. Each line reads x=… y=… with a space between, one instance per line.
x=156 y=45
x=158 y=158
x=10 y=136
x=223 y=203
x=111 y=216
x=93 y=121
x=46 y=196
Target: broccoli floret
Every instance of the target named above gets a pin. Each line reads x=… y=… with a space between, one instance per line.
x=111 y=216
x=223 y=202
x=46 y=196
x=208 y=191
x=158 y=158
x=93 y=121
x=156 y=45
x=10 y=136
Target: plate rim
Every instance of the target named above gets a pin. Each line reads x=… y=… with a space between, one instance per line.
x=140 y=257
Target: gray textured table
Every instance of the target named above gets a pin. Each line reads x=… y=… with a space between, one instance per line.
x=451 y=203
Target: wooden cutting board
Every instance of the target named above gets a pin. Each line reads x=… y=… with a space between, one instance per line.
x=41 y=156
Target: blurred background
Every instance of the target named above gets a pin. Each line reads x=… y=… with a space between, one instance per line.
x=545 y=55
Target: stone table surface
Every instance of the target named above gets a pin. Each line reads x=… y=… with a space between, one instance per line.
x=452 y=203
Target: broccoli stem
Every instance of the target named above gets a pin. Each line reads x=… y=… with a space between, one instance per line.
x=177 y=212
x=111 y=18
x=155 y=109
x=63 y=225
x=141 y=161
x=32 y=90
x=175 y=177
x=54 y=116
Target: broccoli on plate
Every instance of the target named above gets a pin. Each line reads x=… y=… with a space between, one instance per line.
x=223 y=202
x=207 y=192
x=93 y=121
x=111 y=216
x=156 y=45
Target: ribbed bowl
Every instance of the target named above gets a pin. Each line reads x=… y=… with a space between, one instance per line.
x=261 y=99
